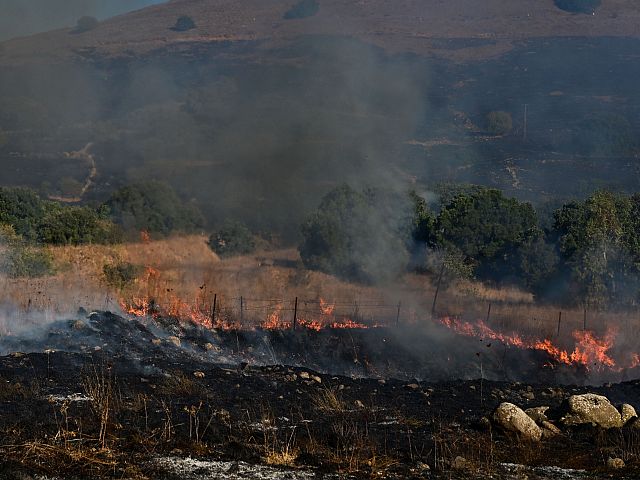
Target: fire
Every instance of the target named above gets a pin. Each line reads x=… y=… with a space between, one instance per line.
x=589 y=350
x=326 y=308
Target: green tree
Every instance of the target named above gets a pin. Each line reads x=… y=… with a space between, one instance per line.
x=153 y=206
x=350 y=236
x=488 y=229
x=184 y=24
x=302 y=9
x=599 y=243
x=85 y=24
x=74 y=226
x=603 y=135
x=23 y=209
x=233 y=238
x=578 y=6
x=499 y=123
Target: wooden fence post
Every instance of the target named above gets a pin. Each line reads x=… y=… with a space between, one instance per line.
x=398 y=314
x=295 y=313
x=213 y=309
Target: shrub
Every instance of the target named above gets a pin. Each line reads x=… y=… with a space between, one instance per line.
x=153 y=206
x=353 y=236
x=578 y=6
x=499 y=123
x=120 y=274
x=184 y=24
x=74 y=226
x=234 y=238
x=303 y=9
x=85 y=24
x=21 y=260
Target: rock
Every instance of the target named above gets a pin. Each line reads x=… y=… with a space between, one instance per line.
x=615 y=463
x=593 y=409
x=529 y=396
x=156 y=341
x=459 y=463
x=316 y=379
x=198 y=374
x=78 y=325
x=627 y=412
x=412 y=386
x=538 y=414
x=174 y=340
x=549 y=429
x=513 y=419
x=359 y=404
x=304 y=375
x=208 y=346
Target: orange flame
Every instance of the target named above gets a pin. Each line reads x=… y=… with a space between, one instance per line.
x=589 y=350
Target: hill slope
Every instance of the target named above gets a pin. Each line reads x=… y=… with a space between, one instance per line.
x=403 y=25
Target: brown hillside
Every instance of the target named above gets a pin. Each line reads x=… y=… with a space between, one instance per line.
x=402 y=25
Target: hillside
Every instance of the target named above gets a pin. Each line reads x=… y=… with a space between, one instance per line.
x=488 y=27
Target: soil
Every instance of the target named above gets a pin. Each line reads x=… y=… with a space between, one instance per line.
x=105 y=395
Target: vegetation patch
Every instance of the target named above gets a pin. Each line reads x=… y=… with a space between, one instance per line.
x=303 y=9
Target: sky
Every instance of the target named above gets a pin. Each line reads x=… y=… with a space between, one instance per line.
x=26 y=17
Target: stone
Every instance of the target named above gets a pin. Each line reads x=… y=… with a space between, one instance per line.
x=615 y=463
x=627 y=413
x=412 y=386
x=174 y=340
x=156 y=341
x=358 y=404
x=549 y=429
x=316 y=379
x=198 y=374
x=304 y=375
x=538 y=414
x=590 y=408
x=513 y=419
x=459 y=463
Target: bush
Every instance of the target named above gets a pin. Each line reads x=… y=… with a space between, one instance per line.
x=603 y=135
x=184 y=24
x=353 y=235
x=303 y=9
x=499 y=123
x=120 y=274
x=234 y=238
x=21 y=260
x=578 y=6
x=85 y=24
x=153 y=206
x=76 y=225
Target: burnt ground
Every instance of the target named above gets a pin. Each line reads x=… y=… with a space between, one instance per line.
x=108 y=396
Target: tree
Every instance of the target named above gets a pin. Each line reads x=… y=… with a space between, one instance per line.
x=578 y=6
x=74 y=226
x=499 y=123
x=303 y=9
x=85 y=24
x=350 y=236
x=153 y=206
x=234 y=238
x=599 y=244
x=603 y=135
x=488 y=229
x=184 y=24
x=23 y=209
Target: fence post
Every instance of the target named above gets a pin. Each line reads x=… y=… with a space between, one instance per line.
x=488 y=313
x=559 y=322
x=435 y=295
x=398 y=314
x=213 y=309
x=241 y=310
x=295 y=313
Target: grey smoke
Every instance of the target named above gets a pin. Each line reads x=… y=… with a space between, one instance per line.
x=26 y=17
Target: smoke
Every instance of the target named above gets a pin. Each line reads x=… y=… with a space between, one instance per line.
x=20 y=18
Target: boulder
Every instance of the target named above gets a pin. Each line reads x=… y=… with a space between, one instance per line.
x=593 y=409
x=627 y=412
x=513 y=419
x=549 y=429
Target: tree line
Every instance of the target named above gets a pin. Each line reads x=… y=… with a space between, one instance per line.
x=588 y=254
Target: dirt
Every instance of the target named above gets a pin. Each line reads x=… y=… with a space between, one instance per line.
x=187 y=407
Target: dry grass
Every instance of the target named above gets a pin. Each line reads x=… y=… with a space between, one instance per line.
x=328 y=400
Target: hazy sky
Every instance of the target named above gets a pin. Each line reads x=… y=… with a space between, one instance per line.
x=25 y=17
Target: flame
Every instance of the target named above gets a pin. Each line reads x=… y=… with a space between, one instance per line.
x=326 y=308
x=589 y=350
x=145 y=237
